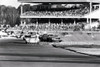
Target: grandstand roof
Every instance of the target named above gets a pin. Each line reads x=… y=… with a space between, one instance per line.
x=28 y=16
x=29 y=1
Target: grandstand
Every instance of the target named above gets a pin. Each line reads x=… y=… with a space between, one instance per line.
x=56 y=1
x=62 y=16
x=47 y=10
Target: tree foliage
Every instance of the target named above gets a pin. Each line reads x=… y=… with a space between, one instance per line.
x=9 y=15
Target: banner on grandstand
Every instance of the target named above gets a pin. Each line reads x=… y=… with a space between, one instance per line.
x=95 y=14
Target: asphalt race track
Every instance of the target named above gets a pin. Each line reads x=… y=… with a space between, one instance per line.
x=16 y=53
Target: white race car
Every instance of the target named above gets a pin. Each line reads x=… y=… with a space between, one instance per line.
x=31 y=37
x=4 y=35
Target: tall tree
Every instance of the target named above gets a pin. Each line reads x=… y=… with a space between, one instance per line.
x=8 y=15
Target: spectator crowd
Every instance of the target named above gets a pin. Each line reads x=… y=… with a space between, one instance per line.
x=54 y=27
x=73 y=12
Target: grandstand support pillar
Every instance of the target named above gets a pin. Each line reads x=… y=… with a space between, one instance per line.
x=88 y=20
x=61 y=21
x=74 y=22
x=21 y=22
x=90 y=11
x=49 y=22
x=21 y=8
x=37 y=24
x=49 y=25
x=90 y=7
